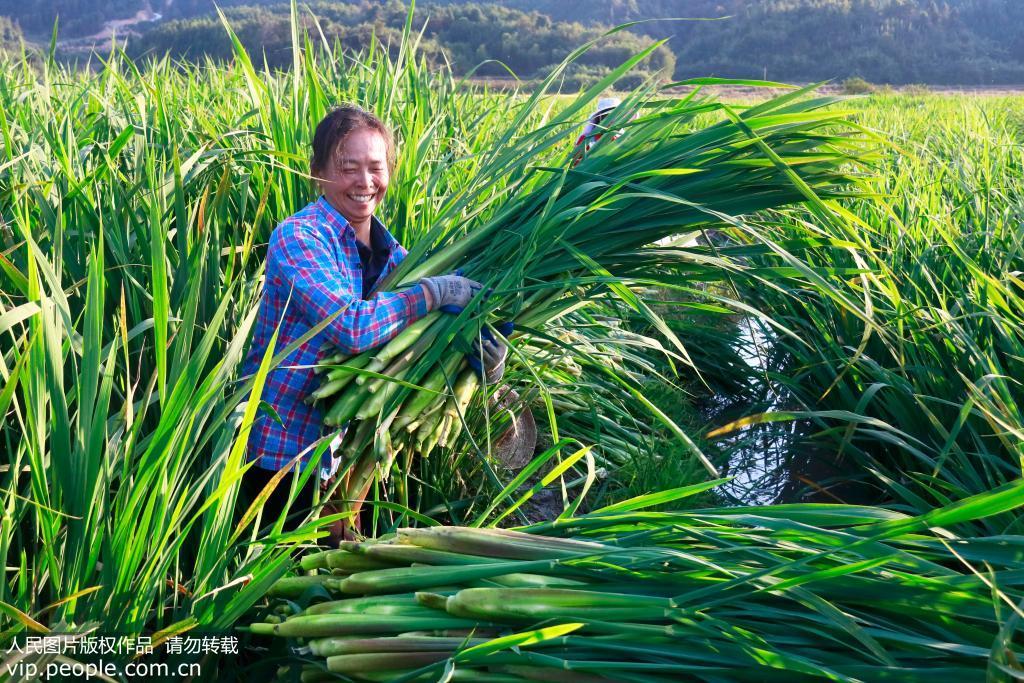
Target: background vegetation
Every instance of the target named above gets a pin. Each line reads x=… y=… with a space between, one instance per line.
x=486 y=39
x=969 y=42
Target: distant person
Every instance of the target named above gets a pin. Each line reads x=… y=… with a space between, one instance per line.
x=593 y=129
x=326 y=259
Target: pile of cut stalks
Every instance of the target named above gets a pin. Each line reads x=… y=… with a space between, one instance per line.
x=811 y=592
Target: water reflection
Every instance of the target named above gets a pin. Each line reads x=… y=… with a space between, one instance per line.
x=778 y=462
x=759 y=455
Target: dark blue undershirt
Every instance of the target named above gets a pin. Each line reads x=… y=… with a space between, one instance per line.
x=374 y=257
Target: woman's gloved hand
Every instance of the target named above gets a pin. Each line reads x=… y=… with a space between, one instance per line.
x=489 y=353
x=450 y=290
x=492 y=352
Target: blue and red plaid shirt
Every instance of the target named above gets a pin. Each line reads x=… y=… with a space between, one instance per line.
x=313 y=257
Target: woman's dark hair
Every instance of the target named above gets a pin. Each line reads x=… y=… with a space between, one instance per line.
x=336 y=126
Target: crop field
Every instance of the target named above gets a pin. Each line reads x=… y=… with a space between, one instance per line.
x=774 y=349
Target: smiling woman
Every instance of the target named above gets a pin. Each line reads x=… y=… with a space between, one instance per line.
x=323 y=263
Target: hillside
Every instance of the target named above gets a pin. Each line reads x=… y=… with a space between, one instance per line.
x=978 y=42
x=488 y=40
x=970 y=42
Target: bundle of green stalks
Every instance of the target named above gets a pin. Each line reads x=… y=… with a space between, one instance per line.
x=833 y=592
x=569 y=368
x=589 y=406
x=580 y=380
x=566 y=234
x=565 y=369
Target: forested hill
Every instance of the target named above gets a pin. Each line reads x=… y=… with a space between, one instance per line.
x=487 y=39
x=895 y=41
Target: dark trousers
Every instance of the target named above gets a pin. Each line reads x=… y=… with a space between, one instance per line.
x=256 y=478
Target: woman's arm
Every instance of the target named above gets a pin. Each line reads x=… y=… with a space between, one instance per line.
x=301 y=263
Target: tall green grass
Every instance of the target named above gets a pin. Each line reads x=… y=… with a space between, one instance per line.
x=922 y=396
x=135 y=203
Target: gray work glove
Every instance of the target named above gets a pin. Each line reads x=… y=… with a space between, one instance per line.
x=492 y=352
x=451 y=290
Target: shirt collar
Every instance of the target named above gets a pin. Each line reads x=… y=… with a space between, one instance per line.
x=339 y=223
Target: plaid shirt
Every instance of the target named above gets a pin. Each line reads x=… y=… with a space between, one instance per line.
x=313 y=257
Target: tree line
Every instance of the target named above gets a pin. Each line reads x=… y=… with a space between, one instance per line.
x=884 y=41
x=978 y=42
x=485 y=39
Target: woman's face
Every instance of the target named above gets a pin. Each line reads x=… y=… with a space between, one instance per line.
x=358 y=179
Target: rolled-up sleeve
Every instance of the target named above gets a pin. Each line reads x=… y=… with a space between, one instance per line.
x=299 y=261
